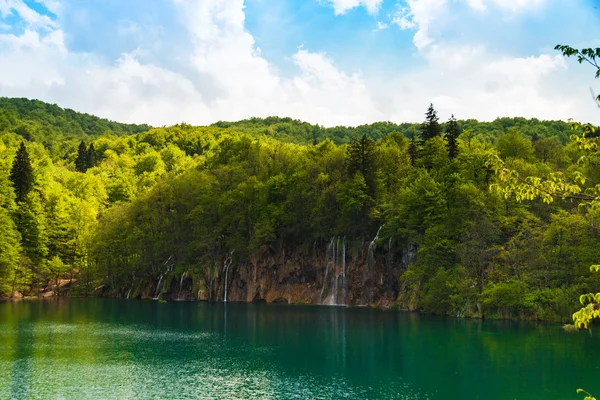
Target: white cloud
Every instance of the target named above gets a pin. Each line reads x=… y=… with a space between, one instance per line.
x=381 y=26
x=514 y=5
x=31 y=17
x=225 y=78
x=419 y=14
x=221 y=75
x=342 y=6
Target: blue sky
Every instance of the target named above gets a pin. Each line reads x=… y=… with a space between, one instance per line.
x=333 y=62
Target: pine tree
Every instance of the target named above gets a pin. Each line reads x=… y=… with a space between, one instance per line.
x=82 y=158
x=431 y=127
x=21 y=174
x=412 y=148
x=361 y=158
x=452 y=134
x=91 y=158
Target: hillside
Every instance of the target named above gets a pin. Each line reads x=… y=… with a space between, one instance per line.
x=239 y=212
x=55 y=127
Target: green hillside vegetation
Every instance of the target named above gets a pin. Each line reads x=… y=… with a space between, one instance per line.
x=295 y=131
x=188 y=197
x=58 y=130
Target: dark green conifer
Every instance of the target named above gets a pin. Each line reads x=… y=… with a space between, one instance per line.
x=431 y=127
x=361 y=158
x=452 y=134
x=91 y=159
x=21 y=174
x=82 y=158
x=412 y=148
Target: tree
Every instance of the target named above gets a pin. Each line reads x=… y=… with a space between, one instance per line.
x=9 y=250
x=431 y=127
x=413 y=150
x=452 y=133
x=91 y=158
x=21 y=174
x=514 y=145
x=361 y=158
x=81 y=162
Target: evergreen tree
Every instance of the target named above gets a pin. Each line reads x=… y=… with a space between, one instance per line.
x=412 y=148
x=21 y=174
x=91 y=157
x=82 y=158
x=31 y=224
x=361 y=158
x=452 y=133
x=431 y=127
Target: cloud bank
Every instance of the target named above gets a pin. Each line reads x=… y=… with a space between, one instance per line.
x=216 y=71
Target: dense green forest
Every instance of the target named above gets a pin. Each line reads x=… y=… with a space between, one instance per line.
x=124 y=210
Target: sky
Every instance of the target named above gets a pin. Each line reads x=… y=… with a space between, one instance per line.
x=331 y=62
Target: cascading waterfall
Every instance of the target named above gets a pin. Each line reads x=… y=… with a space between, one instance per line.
x=327 y=266
x=132 y=283
x=158 y=288
x=160 y=280
x=344 y=261
x=335 y=273
x=226 y=265
x=372 y=245
x=181 y=285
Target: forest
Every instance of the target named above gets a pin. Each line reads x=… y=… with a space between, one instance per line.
x=93 y=207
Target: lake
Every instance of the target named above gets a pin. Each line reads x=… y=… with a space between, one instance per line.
x=118 y=349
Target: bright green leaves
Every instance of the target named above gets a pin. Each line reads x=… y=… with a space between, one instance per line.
x=555 y=185
x=587 y=397
x=584 y=316
x=589 y=55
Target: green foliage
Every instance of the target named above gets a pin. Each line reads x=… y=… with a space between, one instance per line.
x=451 y=136
x=431 y=127
x=21 y=174
x=81 y=162
x=181 y=199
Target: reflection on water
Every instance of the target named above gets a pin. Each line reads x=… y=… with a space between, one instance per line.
x=94 y=349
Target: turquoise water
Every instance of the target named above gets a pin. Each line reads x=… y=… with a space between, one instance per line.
x=113 y=349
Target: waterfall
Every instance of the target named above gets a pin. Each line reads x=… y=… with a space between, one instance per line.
x=158 y=287
x=344 y=261
x=181 y=285
x=344 y=282
x=132 y=284
x=226 y=265
x=335 y=273
x=330 y=255
x=372 y=245
x=160 y=280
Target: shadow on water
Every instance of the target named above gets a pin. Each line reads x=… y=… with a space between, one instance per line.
x=135 y=349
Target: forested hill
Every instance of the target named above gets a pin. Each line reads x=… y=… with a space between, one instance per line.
x=229 y=212
x=296 y=131
x=55 y=127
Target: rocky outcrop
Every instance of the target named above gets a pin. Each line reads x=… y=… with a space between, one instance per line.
x=339 y=272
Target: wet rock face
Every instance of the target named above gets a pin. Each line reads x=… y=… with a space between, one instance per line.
x=342 y=272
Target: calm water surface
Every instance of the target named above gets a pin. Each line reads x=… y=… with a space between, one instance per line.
x=112 y=349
